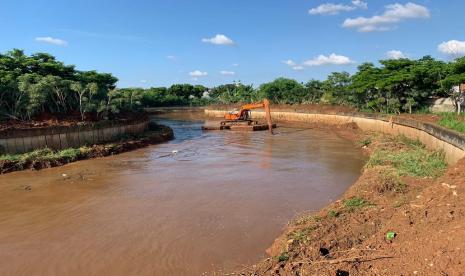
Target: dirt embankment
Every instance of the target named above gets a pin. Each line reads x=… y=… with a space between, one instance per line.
x=388 y=223
x=47 y=158
x=46 y=120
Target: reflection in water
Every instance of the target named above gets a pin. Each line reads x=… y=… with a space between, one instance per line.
x=203 y=203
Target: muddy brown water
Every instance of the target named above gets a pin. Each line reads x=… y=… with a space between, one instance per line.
x=203 y=204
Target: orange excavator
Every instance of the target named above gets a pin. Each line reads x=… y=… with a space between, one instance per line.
x=241 y=119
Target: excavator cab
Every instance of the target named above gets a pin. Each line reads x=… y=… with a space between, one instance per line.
x=247 y=114
x=238 y=115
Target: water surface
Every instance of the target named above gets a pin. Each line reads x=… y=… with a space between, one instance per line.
x=204 y=203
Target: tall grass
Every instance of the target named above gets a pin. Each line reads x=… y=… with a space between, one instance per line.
x=453 y=121
x=410 y=157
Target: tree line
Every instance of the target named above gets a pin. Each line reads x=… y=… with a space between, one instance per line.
x=393 y=86
x=32 y=85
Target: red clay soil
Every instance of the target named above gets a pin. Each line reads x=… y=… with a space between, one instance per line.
x=427 y=216
x=428 y=118
x=50 y=120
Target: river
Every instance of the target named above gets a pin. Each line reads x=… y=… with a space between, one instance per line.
x=202 y=204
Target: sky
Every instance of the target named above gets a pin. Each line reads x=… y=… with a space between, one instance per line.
x=212 y=42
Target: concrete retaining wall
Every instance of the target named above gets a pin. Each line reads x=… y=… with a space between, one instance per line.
x=24 y=140
x=433 y=136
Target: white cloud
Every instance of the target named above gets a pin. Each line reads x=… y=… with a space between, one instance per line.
x=298 y=68
x=332 y=59
x=360 y=4
x=51 y=40
x=171 y=57
x=235 y=64
x=289 y=62
x=293 y=65
x=395 y=54
x=453 y=48
x=198 y=74
x=393 y=14
x=219 y=39
x=143 y=81
x=333 y=9
x=227 y=73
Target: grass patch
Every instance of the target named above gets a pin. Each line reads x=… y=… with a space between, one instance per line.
x=453 y=121
x=410 y=143
x=333 y=214
x=355 y=203
x=391 y=182
x=301 y=235
x=365 y=142
x=306 y=219
x=42 y=155
x=410 y=157
x=10 y=157
x=283 y=257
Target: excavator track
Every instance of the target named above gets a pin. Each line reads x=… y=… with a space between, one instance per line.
x=238 y=123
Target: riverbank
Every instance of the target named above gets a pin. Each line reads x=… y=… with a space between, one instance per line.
x=449 y=120
x=403 y=216
x=432 y=135
x=47 y=158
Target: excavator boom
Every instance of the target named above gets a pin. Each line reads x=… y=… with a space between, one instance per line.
x=266 y=104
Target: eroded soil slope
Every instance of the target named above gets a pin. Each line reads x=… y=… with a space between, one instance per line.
x=392 y=221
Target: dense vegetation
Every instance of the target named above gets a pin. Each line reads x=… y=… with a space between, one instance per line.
x=394 y=86
x=34 y=84
x=37 y=84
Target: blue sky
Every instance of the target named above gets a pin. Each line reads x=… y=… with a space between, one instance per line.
x=210 y=42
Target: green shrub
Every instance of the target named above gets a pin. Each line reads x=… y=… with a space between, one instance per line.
x=283 y=257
